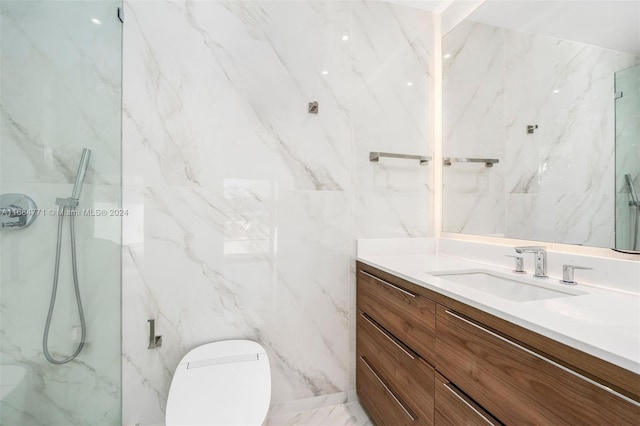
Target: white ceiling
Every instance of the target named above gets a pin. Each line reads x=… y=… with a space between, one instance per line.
x=431 y=5
x=612 y=24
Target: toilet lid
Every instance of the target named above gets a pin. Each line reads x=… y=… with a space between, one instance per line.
x=221 y=383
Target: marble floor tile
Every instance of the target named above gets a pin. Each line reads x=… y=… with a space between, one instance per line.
x=351 y=414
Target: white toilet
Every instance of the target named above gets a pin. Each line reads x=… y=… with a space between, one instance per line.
x=221 y=383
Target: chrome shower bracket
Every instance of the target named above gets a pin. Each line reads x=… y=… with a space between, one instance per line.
x=17 y=211
x=154 y=341
x=67 y=202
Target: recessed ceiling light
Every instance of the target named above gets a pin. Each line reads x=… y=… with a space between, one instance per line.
x=409 y=83
x=345 y=37
x=96 y=21
x=556 y=91
x=447 y=55
x=325 y=72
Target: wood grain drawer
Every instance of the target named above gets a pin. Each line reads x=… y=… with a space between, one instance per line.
x=519 y=386
x=454 y=408
x=383 y=405
x=408 y=316
x=406 y=374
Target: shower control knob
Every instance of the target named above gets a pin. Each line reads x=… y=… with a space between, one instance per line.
x=17 y=211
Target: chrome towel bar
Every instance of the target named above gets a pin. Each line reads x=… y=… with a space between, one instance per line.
x=375 y=156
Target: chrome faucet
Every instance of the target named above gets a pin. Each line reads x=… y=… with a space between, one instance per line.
x=540 y=259
x=567 y=274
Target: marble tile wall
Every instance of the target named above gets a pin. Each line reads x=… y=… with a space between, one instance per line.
x=505 y=80
x=245 y=207
x=59 y=93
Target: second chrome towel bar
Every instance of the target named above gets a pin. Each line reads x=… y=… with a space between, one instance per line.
x=488 y=162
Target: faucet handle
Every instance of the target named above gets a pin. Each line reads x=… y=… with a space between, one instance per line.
x=519 y=264
x=567 y=273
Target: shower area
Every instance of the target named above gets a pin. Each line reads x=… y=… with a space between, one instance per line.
x=60 y=212
x=627 y=111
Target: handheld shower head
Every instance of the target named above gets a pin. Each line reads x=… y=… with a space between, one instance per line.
x=82 y=171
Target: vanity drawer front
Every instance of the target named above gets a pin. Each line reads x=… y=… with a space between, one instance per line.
x=408 y=316
x=406 y=374
x=454 y=408
x=519 y=386
x=384 y=406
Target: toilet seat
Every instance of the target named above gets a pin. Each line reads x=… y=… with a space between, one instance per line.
x=221 y=383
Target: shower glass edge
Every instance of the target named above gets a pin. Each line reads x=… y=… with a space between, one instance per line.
x=61 y=92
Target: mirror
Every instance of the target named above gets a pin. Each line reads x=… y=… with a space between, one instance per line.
x=549 y=91
x=627 y=112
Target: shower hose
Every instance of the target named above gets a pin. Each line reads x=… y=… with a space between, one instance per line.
x=635 y=234
x=45 y=339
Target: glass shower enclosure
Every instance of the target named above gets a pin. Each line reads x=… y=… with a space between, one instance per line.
x=60 y=217
x=627 y=111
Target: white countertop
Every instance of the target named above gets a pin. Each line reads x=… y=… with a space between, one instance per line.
x=604 y=323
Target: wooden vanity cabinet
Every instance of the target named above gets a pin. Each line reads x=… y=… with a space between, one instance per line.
x=519 y=385
x=408 y=375
x=405 y=314
x=454 y=408
x=382 y=404
x=423 y=358
x=395 y=336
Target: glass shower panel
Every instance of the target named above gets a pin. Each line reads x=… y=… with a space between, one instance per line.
x=627 y=84
x=60 y=92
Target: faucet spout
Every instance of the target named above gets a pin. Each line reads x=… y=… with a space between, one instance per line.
x=540 y=259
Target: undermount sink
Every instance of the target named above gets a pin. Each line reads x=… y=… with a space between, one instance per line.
x=515 y=289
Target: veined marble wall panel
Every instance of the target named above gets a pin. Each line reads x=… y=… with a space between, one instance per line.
x=245 y=207
x=391 y=87
x=225 y=92
x=248 y=262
